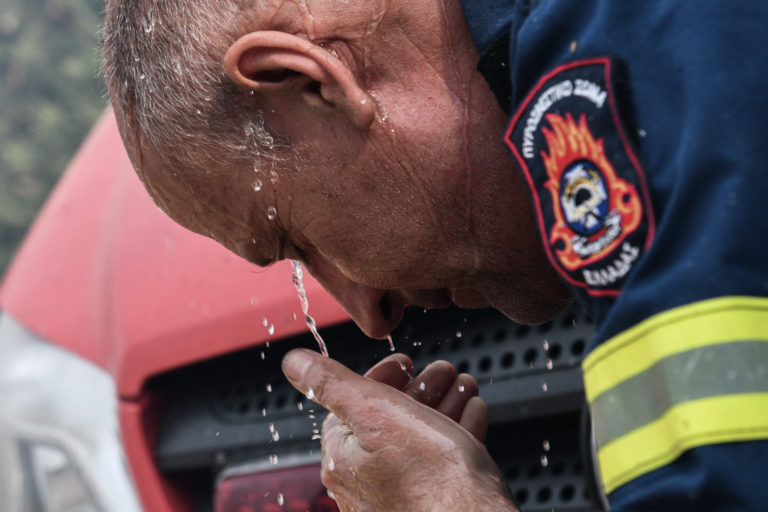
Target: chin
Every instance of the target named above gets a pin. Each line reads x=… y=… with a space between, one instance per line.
x=534 y=308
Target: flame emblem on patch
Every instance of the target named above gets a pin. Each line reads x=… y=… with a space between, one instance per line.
x=594 y=209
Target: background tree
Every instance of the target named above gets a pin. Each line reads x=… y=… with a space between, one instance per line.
x=51 y=92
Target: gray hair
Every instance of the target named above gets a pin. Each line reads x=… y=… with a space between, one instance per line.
x=162 y=64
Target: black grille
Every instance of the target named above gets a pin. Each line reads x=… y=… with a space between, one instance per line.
x=240 y=408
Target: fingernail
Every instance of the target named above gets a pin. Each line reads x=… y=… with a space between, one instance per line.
x=295 y=364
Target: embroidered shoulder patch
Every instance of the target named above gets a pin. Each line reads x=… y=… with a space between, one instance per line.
x=588 y=187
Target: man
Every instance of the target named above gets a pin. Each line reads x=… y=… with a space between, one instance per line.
x=357 y=137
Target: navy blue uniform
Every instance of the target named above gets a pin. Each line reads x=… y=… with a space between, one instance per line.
x=640 y=128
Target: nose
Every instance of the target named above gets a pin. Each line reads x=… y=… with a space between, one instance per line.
x=377 y=312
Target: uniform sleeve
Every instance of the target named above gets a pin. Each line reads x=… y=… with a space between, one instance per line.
x=677 y=377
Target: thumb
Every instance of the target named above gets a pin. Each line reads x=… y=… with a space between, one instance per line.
x=329 y=383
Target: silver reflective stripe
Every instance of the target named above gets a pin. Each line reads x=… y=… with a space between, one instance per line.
x=715 y=370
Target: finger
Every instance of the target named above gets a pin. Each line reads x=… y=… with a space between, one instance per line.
x=332 y=385
x=340 y=451
x=431 y=385
x=395 y=370
x=474 y=419
x=456 y=398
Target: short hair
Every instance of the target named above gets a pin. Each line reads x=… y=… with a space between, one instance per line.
x=162 y=65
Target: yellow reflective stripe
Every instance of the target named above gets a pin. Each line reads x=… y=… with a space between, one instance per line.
x=688 y=327
x=685 y=426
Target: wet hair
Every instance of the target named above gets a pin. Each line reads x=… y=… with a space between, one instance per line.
x=162 y=65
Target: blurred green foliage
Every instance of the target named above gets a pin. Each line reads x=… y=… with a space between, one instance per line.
x=50 y=94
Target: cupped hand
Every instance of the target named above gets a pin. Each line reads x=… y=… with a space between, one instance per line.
x=439 y=387
x=383 y=450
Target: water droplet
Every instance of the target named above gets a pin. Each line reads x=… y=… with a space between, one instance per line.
x=271 y=329
x=391 y=343
x=271 y=213
x=544 y=461
x=218 y=434
x=545 y=345
x=264 y=322
x=459 y=334
x=297 y=277
x=331 y=465
x=461 y=389
x=263 y=355
x=264 y=412
x=273 y=459
x=273 y=177
x=574 y=46
x=280 y=499
x=269 y=388
x=422 y=386
x=545 y=445
x=550 y=364
x=403 y=367
x=257 y=185
x=544 y=387
x=251 y=92
x=316 y=437
x=199 y=112
x=300 y=406
x=642 y=133
x=274 y=432
x=143 y=76
x=311 y=394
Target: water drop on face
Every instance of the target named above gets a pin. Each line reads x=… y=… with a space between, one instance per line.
x=271 y=213
x=280 y=499
x=422 y=386
x=310 y=394
x=461 y=389
x=297 y=277
x=331 y=465
x=257 y=185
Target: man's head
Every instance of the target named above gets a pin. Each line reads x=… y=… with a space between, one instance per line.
x=353 y=135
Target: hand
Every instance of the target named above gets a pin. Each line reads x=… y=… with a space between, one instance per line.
x=438 y=387
x=384 y=451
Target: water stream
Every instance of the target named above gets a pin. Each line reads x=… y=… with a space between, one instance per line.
x=297 y=276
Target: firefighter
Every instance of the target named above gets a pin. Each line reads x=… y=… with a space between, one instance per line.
x=514 y=154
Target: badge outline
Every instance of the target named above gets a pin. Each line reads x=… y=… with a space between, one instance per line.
x=607 y=64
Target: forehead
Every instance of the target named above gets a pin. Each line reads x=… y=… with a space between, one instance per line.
x=217 y=202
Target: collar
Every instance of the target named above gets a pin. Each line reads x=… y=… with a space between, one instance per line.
x=492 y=24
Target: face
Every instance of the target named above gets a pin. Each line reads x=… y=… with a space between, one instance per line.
x=423 y=208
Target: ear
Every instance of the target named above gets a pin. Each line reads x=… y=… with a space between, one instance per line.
x=274 y=62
